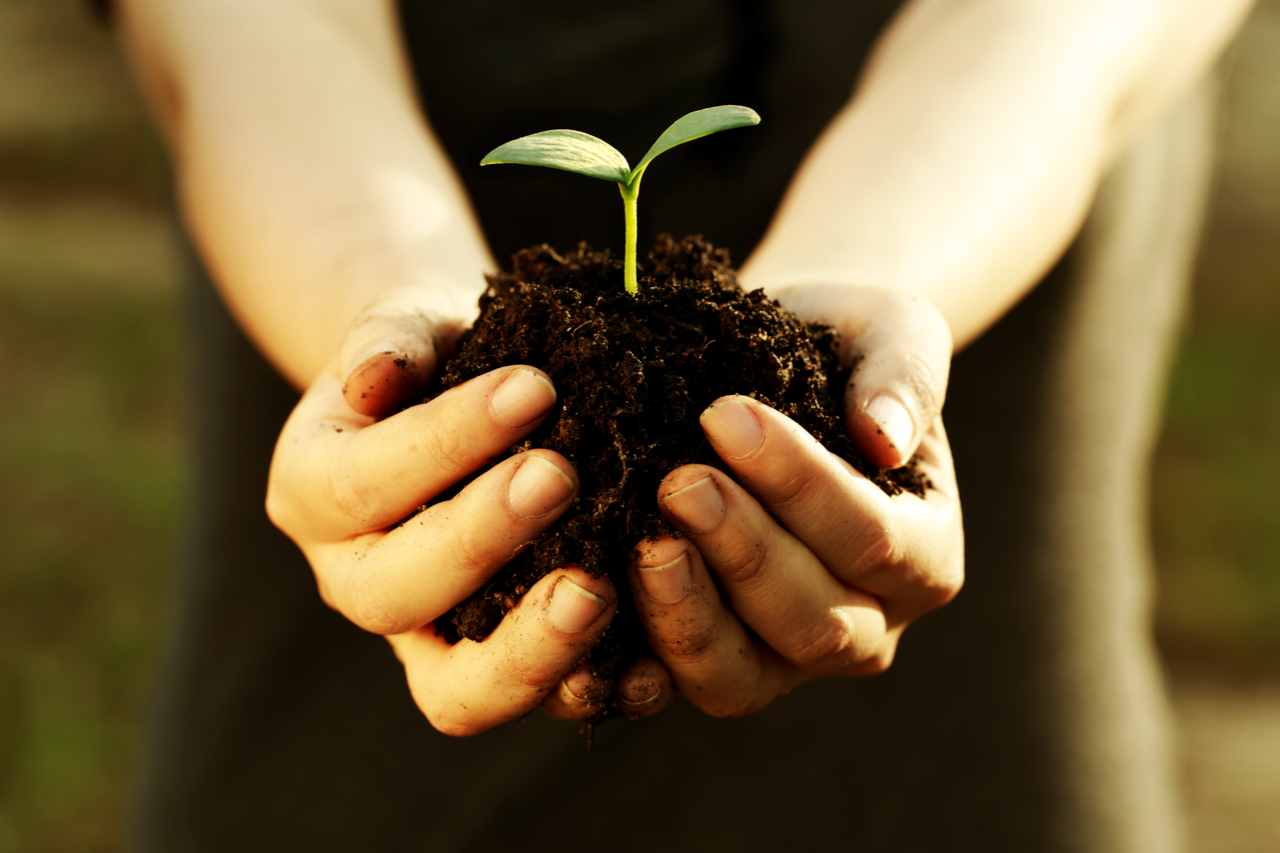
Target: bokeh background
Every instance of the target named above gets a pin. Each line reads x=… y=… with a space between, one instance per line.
x=92 y=462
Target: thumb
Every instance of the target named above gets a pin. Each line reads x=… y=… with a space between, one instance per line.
x=901 y=349
x=897 y=388
x=391 y=353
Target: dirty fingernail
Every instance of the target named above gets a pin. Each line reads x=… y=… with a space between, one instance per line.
x=641 y=693
x=669 y=583
x=382 y=348
x=521 y=398
x=700 y=506
x=580 y=679
x=733 y=427
x=573 y=609
x=537 y=488
x=893 y=420
x=568 y=696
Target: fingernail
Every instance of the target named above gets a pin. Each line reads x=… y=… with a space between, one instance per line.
x=734 y=428
x=583 y=695
x=568 y=695
x=537 y=488
x=894 y=421
x=699 y=506
x=521 y=398
x=573 y=609
x=670 y=583
x=643 y=693
x=382 y=348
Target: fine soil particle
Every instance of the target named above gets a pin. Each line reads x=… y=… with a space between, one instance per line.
x=632 y=376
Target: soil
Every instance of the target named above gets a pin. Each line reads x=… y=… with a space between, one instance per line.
x=632 y=376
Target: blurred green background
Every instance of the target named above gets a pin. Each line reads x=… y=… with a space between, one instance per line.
x=92 y=466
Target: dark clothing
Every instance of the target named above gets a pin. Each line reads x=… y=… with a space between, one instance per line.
x=623 y=71
x=1023 y=716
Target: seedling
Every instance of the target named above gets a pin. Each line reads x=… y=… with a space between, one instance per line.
x=574 y=151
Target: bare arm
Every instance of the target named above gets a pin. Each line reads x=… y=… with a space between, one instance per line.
x=968 y=157
x=306 y=172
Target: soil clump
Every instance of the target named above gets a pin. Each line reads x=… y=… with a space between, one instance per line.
x=632 y=376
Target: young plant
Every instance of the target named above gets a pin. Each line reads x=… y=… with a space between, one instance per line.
x=574 y=151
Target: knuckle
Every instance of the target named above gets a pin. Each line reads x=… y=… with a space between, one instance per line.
x=877 y=662
x=350 y=496
x=367 y=605
x=742 y=561
x=792 y=489
x=689 y=643
x=285 y=512
x=831 y=639
x=532 y=681
x=883 y=547
x=920 y=374
x=939 y=590
x=453 y=452
x=468 y=553
x=926 y=386
x=880 y=548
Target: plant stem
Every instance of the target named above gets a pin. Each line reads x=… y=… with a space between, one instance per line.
x=629 y=193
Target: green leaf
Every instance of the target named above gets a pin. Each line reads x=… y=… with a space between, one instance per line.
x=697 y=125
x=570 y=150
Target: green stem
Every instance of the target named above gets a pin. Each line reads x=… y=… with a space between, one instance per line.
x=629 y=193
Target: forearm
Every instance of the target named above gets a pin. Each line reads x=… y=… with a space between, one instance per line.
x=968 y=157
x=306 y=174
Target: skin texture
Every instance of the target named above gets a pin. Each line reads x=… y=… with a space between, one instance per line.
x=344 y=245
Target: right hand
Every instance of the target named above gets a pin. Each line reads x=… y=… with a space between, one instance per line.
x=794 y=566
x=349 y=468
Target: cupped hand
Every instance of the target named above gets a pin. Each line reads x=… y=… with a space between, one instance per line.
x=352 y=473
x=797 y=566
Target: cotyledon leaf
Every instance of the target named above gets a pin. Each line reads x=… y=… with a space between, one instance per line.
x=570 y=150
x=575 y=151
x=696 y=125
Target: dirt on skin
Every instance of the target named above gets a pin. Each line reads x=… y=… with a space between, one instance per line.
x=632 y=375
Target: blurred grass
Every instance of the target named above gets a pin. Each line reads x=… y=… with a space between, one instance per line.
x=90 y=446
x=91 y=457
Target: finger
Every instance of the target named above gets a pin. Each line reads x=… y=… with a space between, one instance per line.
x=930 y=535
x=838 y=513
x=711 y=657
x=386 y=378
x=336 y=474
x=469 y=687
x=903 y=349
x=393 y=582
x=897 y=390
x=644 y=689
x=580 y=695
x=391 y=352
x=902 y=550
x=774 y=583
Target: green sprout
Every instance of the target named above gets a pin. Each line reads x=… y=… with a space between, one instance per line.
x=574 y=151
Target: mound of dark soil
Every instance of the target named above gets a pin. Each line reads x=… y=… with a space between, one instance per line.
x=633 y=374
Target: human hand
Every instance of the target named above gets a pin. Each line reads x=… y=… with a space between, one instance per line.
x=351 y=466
x=797 y=566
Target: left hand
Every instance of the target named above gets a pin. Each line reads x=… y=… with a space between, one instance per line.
x=799 y=567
